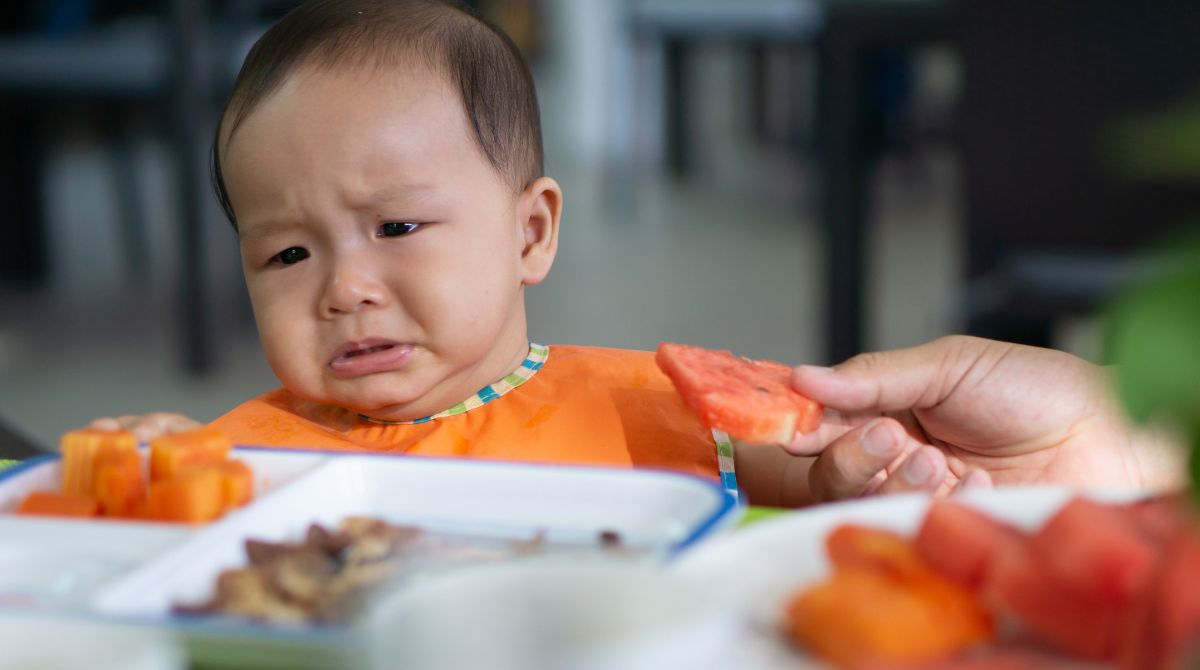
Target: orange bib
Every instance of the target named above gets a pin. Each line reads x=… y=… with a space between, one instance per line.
x=582 y=405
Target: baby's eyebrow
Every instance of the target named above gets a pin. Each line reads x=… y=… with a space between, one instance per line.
x=400 y=191
x=258 y=231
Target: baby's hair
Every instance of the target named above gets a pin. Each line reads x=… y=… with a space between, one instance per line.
x=478 y=59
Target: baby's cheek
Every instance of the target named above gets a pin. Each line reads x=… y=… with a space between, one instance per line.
x=288 y=352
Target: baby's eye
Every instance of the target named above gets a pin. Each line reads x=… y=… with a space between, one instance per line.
x=396 y=228
x=290 y=256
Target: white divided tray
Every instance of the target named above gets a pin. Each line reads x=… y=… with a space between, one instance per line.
x=655 y=513
x=57 y=564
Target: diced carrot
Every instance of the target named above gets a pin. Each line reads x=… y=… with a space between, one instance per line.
x=118 y=483
x=172 y=454
x=194 y=496
x=55 y=503
x=237 y=482
x=80 y=448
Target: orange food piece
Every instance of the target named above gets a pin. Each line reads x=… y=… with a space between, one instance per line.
x=851 y=545
x=237 y=483
x=170 y=455
x=193 y=496
x=118 y=483
x=862 y=615
x=55 y=503
x=751 y=400
x=885 y=604
x=80 y=451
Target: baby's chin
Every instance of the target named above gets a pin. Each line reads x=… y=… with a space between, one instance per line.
x=391 y=404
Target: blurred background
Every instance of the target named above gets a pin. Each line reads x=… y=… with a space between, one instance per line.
x=790 y=179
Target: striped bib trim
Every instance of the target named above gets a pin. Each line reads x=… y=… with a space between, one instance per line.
x=538 y=353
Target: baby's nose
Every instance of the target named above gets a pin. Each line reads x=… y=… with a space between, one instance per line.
x=350 y=289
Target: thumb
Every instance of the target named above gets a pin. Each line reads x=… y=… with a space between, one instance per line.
x=915 y=378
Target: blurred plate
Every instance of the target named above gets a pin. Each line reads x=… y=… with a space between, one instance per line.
x=32 y=640
x=57 y=564
x=751 y=574
x=549 y=612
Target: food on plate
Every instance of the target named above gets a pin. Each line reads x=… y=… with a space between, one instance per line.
x=327 y=577
x=884 y=604
x=750 y=400
x=172 y=454
x=237 y=483
x=56 y=503
x=192 y=480
x=962 y=543
x=1086 y=582
x=1117 y=584
x=192 y=496
x=83 y=449
x=322 y=579
x=118 y=482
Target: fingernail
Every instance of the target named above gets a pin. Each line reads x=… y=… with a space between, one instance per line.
x=876 y=441
x=918 y=469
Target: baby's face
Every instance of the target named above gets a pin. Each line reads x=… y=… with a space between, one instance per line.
x=382 y=251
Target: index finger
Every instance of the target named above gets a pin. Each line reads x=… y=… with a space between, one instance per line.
x=916 y=378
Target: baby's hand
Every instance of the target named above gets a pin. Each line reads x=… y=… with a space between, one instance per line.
x=146 y=427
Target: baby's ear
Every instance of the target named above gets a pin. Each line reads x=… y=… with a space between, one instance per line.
x=539 y=209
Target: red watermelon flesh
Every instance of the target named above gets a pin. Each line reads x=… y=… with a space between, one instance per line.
x=1019 y=586
x=1179 y=597
x=1163 y=628
x=1003 y=658
x=1096 y=550
x=961 y=542
x=1161 y=517
x=750 y=400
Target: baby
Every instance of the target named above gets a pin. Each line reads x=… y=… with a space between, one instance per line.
x=381 y=162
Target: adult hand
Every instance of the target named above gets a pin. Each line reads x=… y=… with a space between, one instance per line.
x=146 y=427
x=964 y=411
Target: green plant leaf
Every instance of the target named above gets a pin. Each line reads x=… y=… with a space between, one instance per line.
x=1153 y=337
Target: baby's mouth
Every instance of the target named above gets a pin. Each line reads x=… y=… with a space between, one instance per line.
x=367 y=356
x=368 y=350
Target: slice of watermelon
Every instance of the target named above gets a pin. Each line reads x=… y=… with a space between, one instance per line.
x=1096 y=550
x=751 y=400
x=1019 y=586
x=961 y=542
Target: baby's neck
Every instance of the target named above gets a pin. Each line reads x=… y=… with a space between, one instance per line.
x=516 y=370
